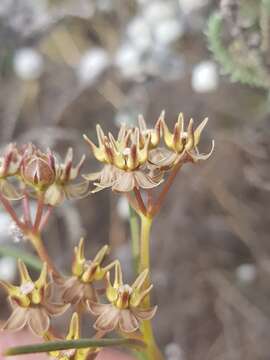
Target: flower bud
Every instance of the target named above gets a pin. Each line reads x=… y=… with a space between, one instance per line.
x=38 y=170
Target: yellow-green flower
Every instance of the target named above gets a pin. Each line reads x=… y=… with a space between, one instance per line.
x=181 y=145
x=124 y=159
x=74 y=333
x=31 y=302
x=79 y=287
x=125 y=311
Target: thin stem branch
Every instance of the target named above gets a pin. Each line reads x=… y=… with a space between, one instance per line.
x=45 y=218
x=37 y=243
x=9 y=208
x=152 y=351
x=40 y=207
x=140 y=201
x=156 y=208
x=26 y=210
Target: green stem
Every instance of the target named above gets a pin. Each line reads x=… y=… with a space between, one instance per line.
x=36 y=241
x=135 y=237
x=30 y=260
x=152 y=352
x=71 y=344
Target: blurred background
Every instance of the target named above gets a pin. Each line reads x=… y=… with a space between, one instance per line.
x=67 y=65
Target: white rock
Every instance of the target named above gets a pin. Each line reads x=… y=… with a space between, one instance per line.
x=139 y=33
x=246 y=273
x=158 y=11
x=123 y=208
x=28 y=63
x=168 y=31
x=205 y=77
x=7 y=268
x=92 y=65
x=127 y=59
x=187 y=6
x=173 y=352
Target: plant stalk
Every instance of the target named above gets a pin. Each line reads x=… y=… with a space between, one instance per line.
x=152 y=352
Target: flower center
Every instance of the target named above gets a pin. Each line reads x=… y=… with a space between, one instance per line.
x=27 y=288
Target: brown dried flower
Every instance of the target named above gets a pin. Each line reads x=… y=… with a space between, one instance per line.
x=125 y=311
x=181 y=144
x=79 y=288
x=125 y=159
x=31 y=302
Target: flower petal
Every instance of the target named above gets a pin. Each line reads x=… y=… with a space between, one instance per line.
x=145 y=181
x=73 y=292
x=128 y=322
x=144 y=314
x=38 y=321
x=17 y=319
x=9 y=191
x=125 y=182
x=97 y=308
x=77 y=191
x=55 y=309
x=108 y=320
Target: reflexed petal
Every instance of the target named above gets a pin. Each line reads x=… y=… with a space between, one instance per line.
x=125 y=183
x=38 y=321
x=92 y=176
x=144 y=314
x=128 y=322
x=77 y=191
x=73 y=292
x=145 y=181
x=198 y=156
x=54 y=195
x=97 y=308
x=108 y=320
x=162 y=158
x=17 y=319
x=55 y=309
x=9 y=191
x=89 y=293
x=198 y=131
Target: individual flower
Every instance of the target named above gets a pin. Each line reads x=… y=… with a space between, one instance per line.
x=10 y=164
x=31 y=302
x=79 y=287
x=125 y=311
x=63 y=185
x=125 y=160
x=74 y=333
x=181 y=145
x=38 y=168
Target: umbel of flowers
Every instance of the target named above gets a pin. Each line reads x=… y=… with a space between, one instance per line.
x=138 y=160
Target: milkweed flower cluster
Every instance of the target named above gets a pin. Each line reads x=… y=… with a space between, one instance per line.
x=137 y=159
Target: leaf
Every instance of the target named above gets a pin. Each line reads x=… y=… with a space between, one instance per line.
x=71 y=344
x=28 y=259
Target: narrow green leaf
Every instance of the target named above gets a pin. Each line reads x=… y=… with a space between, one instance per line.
x=71 y=344
x=28 y=259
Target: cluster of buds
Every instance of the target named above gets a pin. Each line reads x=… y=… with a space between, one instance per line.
x=31 y=302
x=39 y=173
x=136 y=158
